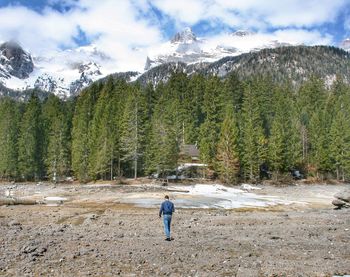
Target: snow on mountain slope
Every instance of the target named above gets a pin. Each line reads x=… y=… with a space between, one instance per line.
x=15 y=61
x=187 y=48
x=63 y=73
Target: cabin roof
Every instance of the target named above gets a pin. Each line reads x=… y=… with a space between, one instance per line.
x=189 y=150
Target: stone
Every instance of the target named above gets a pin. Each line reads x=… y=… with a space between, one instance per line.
x=343 y=195
x=14 y=223
x=340 y=204
x=93 y=217
x=30 y=248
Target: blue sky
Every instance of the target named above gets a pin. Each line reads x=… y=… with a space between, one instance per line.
x=123 y=27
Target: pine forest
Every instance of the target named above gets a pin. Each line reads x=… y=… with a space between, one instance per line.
x=242 y=127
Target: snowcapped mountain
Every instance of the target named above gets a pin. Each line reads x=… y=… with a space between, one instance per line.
x=345 y=44
x=282 y=64
x=14 y=61
x=185 y=47
x=63 y=73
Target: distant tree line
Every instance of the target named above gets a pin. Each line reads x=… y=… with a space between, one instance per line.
x=115 y=129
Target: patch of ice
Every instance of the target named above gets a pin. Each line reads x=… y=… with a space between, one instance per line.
x=210 y=196
x=219 y=196
x=248 y=187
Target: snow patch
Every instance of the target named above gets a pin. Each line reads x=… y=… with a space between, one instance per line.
x=220 y=196
x=210 y=196
x=55 y=198
x=249 y=187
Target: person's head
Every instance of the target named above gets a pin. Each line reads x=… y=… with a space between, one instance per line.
x=166 y=197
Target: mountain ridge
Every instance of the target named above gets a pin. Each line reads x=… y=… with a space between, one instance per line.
x=186 y=47
x=296 y=63
x=67 y=72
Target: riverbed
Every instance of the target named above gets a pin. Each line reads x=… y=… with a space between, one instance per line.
x=104 y=229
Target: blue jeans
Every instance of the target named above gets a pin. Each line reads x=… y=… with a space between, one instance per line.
x=167 y=222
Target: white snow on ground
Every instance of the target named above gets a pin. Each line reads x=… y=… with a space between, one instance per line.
x=188 y=165
x=230 y=198
x=55 y=198
x=249 y=187
x=209 y=196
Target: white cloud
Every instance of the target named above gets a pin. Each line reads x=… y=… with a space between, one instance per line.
x=257 y=40
x=186 y=11
x=297 y=36
x=119 y=30
x=37 y=32
x=114 y=26
x=254 y=13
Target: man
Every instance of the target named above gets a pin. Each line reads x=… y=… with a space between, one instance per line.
x=167 y=208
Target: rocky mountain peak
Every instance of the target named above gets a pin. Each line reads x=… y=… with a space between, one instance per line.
x=15 y=60
x=185 y=36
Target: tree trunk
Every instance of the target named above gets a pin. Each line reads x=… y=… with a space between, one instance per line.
x=337 y=171
x=136 y=142
x=119 y=165
x=135 y=166
x=111 y=166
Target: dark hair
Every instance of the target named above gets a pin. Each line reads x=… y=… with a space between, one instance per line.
x=166 y=197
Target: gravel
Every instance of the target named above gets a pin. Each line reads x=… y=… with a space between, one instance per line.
x=112 y=240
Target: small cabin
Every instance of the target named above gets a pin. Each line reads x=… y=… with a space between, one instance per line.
x=190 y=165
x=189 y=153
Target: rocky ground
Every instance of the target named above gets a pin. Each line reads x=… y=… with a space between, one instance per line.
x=109 y=239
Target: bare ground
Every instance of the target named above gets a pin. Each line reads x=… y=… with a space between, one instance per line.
x=103 y=238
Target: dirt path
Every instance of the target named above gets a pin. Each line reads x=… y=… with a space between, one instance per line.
x=110 y=240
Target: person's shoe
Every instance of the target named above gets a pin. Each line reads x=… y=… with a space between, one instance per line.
x=168 y=239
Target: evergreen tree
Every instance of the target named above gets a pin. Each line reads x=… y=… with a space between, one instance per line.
x=253 y=141
x=340 y=139
x=233 y=91
x=319 y=137
x=133 y=128
x=84 y=111
x=310 y=96
x=227 y=155
x=9 y=117
x=212 y=111
x=293 y=142
x=193 y=104
x=58 y=139
x=339 y=88
x=31 y=139
x=263 y=89
x=277 y=146
x=284 y=149
x=105 y=131
x=163 y=148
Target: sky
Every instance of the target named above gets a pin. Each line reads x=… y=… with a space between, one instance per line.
x=127 y=29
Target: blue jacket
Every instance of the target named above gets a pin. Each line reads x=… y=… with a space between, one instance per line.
x=167 y=207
